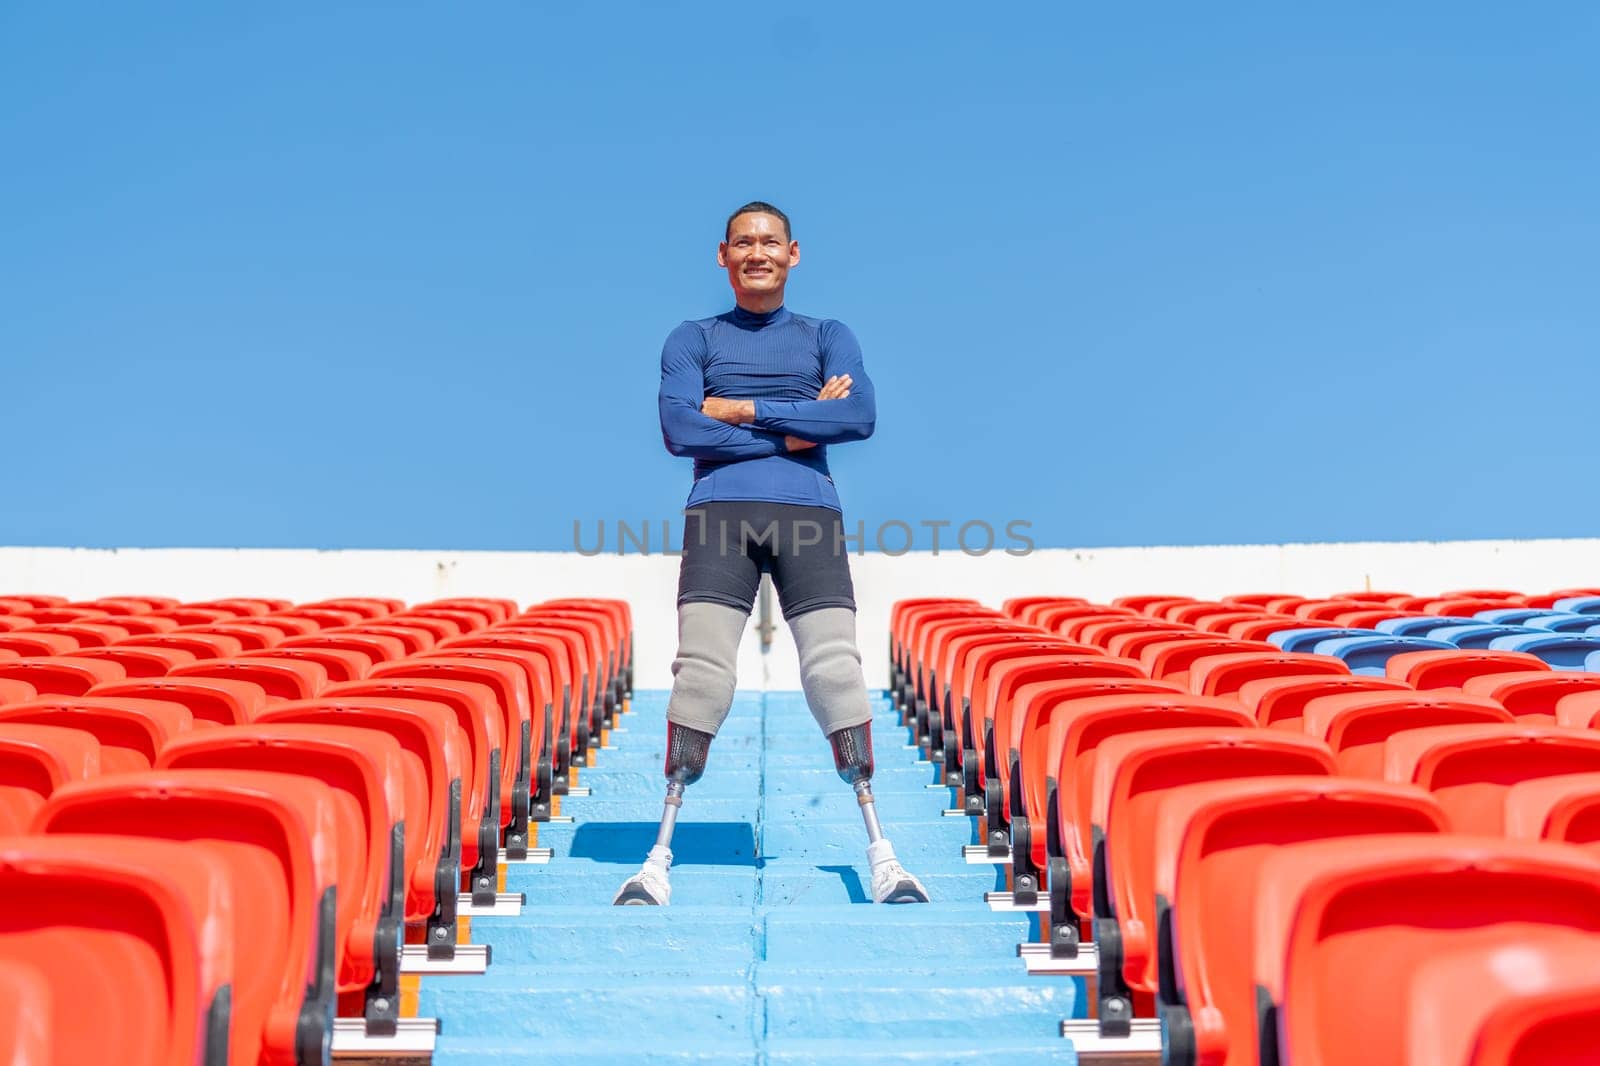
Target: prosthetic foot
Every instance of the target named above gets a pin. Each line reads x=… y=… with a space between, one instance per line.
x=852 y=757
x=686 y=762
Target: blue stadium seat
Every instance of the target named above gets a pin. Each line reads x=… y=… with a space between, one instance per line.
x=1307 y=639
x=1580 y=605
x=1562 y=622
x=1565 y=651
x=1510 y=616
x=1474 y=636
x=1417 y=625
x=1369 y=654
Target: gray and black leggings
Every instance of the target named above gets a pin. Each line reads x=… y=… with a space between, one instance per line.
x=727 y=546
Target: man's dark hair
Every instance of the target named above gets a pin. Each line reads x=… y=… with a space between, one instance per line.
x=758 y=207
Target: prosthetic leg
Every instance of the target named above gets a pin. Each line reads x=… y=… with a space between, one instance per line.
x=852 y=757
x=686 y=762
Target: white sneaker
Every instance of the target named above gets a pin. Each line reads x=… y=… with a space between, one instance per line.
x=890 y=881
x=649 y=887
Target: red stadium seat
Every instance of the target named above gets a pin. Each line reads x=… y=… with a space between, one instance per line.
x=1168 y=660
x=1263 y=627
x=1335 y=924
x=367 y=606
x=585 y=651
x=517 y=722
x=35 y=761
x=252 y=636
x=130 y=731
x=1533 y=695
x=280 y=679
x=1565 y=807
x=474 y=706
x=1451 y=669
x=139 y=660
x=1131 y=775
x=278 y=834
x=1226 y=674
x=212 y=701
x=1355 y=725
x=375 y=646
x=562 y=714
x=1256 y=600
x=339 y=664
x=1100 y=631
x=15 y=691
x=1206 y=835
x=1089 y=723
x=1280 y=702
x=95 y=634
x=116 y=946
x=31 y=642
x=1532 y=1001
x=436 y=755
x=415 y=638
x=367 y=771
x=1028 y=773
x=1132 y=645
x=1014 y=607
x=243 y=606
x=1469 y=767
x=200 y=645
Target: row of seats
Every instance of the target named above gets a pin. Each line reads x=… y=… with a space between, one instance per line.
x=1177 y=783
x=349 y=767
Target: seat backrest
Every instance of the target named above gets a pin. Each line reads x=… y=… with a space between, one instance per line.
x=1579 y=709
x=252 y=636
x=279 y=836
x=35 y=761
x=434 y=751
x=339 y=664
x=1150 y=769
x=1469 y=767
x=1474 y=634
x=1533 y=1001
x=377 y=647
x=1132 y=773
x=1371 y=655
x=139 y=660
x=1280 y=702
x=995 y=700
x=1041 y=706
x=1564 y=807
x=1226 y=674
x=212 y=701
x=15 y=691
x=1357 y=724
x=1564 y=651
x=136 y=936
x=365 y=770
x=1090 y=722
x=1327 y=911
x=1532 y=695
x=474 y=707
x=280 y=679
x=130 y=731
x=61 y=675
x=1307 y=637
x=1208 y=835
x=200 y=645
x=513 y=703
x=1452 y=669
x=1167 y=659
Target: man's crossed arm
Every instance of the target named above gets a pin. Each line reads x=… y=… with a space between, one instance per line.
x=743 y=412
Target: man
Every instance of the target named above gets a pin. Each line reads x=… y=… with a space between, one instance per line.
x=755 y=396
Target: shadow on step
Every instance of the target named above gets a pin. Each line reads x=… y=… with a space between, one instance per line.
x=693 y=843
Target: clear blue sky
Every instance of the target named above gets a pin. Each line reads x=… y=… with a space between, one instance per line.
x=392 y=276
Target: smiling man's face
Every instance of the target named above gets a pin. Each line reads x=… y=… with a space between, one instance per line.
x=758 y=254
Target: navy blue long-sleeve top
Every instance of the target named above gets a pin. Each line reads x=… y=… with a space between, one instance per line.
x=780 y=360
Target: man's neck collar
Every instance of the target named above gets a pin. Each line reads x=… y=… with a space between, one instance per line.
x=758 y=318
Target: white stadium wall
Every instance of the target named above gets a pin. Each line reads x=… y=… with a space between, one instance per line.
x=649 y=582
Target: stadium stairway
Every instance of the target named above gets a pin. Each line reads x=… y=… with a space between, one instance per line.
x=771 y=951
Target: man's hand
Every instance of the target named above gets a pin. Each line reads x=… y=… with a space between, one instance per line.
x=795 y=444
x=733 y=412
x=836 y=388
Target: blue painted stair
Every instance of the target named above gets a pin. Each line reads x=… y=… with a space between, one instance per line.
x=771 y=951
